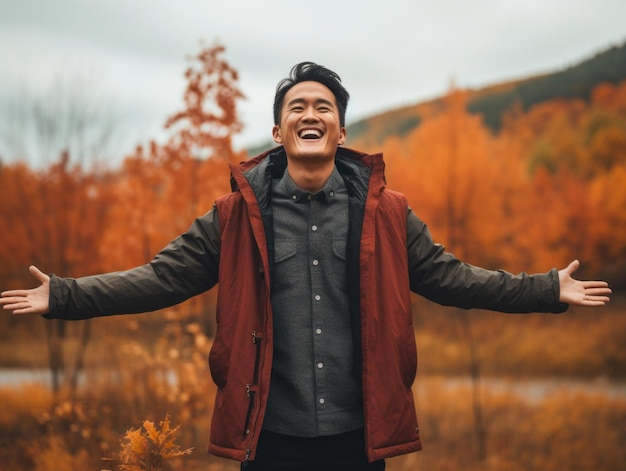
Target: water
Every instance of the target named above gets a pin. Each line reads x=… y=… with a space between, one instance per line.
x=531 y=389
x=15 y=378
x=534 y=389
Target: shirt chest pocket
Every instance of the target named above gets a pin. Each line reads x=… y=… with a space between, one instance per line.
x=286 y=267
x=339 y=248
x=337 y=271
x=284 y=250
x=293 y=262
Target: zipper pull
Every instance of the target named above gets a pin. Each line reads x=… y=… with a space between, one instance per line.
x=245 y=461
x=256 y=337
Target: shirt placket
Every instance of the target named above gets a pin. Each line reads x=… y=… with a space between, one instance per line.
x=315 y=268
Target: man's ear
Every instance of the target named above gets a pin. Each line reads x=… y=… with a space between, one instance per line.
x=342 y=135
x=276 y=135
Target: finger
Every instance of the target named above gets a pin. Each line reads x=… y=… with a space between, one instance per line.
x=8 y=295
x=598 y=291
x=588 y=303
x=38 y=274
x=27 y=310
x=16 y=306
x=572 y=267
x=594 y=284
x=6 y=303
x=594 y=300
x=12 y=300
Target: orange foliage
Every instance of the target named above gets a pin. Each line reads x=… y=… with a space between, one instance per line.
x=544 y=190
x=160 y=190
x=53 y=218
x=146 y=450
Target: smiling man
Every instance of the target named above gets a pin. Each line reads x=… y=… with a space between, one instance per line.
x=314 y=355
x=310 y=126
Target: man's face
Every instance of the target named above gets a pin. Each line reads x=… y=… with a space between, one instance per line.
x=309 y=123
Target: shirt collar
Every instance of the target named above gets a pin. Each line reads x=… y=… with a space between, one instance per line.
x=287 y=187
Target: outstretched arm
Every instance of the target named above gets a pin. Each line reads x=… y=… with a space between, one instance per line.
x=28 y=301
x=187 y=266
x=581 y=293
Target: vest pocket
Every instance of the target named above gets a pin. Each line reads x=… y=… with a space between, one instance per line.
x=407 y=355
x=219 y=360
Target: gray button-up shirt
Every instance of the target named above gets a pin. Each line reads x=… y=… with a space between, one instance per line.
x=314 y=390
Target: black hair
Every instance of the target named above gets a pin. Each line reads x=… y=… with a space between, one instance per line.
x=310 y=71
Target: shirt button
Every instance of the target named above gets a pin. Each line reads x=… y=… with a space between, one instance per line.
x=321 y=400
x=318 y=331
x=294 y=197
x=316 y=262
x=317 y=297
x=320 y=365
x=332 y=193
x=313 y=227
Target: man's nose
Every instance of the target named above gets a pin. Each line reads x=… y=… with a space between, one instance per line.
x=309 y=114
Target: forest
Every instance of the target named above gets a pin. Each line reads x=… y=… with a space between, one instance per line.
x=494 y=391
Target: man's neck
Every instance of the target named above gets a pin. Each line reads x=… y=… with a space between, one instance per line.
x=310 y=176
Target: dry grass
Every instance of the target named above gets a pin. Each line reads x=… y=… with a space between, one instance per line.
x=564 y=430
x=580 y=343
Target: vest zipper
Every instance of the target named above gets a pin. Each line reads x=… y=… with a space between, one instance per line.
x=245 y=461
x=251 y=388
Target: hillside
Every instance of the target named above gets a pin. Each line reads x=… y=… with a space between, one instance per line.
x=492 y=101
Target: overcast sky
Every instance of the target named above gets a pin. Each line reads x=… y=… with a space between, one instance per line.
x=389 y=53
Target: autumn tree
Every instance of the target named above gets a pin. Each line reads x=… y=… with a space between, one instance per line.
x=162 y=188
x=177 y=181
x=446 y=168
x=57 y=213
x=448 y=178
x=573 y=152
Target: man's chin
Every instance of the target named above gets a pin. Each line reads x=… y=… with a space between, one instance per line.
x=313 y=155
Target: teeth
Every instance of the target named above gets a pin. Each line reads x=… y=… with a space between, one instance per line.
x=307 y=133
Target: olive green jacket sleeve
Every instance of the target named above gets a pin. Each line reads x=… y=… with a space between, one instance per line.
x=184 y=268
x=440 y=277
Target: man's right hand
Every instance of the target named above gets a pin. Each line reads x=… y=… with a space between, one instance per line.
x=29 y=301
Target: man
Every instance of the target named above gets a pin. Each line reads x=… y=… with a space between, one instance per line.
x=314 y=354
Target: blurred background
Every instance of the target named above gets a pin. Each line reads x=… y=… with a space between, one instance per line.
x=504 y=123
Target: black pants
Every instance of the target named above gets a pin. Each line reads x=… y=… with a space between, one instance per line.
x=277 y=452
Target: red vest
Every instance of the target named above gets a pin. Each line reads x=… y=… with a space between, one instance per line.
x=241 y=357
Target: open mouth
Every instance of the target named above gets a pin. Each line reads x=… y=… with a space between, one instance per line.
x=309 y=134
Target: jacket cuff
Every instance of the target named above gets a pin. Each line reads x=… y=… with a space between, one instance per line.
x=58 y=291
x=558 y=307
